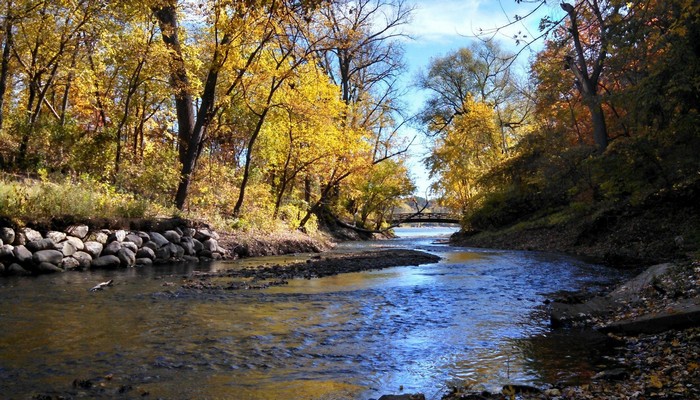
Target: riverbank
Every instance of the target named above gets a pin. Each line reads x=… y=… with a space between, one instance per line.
x=665 y=227
x=654 y=319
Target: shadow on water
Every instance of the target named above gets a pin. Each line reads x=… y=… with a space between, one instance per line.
x=475 y=316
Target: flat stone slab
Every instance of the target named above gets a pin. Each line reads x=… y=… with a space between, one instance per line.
x=681 y=316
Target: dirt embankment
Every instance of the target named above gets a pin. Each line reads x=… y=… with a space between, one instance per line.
x=664 y=228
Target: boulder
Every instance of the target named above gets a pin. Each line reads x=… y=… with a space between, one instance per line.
x=189 y=232
x=55 y=236
x=47 y=267
x=94 y=249
x=22 y=255
x=79 y=231
x=146 y=252
x=47 y=256
x=144 y=236
x=158 y=239
x=135 y=239
x=1 y=243
x=20 y=239
x=100 y=237
x=211 y=245
x=116 y=236
x=151 y=245
x=192 y=259
x=176 y=251
x=203 y=234
x=144 y=262
x=84 y=259
x=172 y=236
x=106 y=262
x=76 y=242
x=131 y=246
x=187 y=244
x=67 y=248
x=163 y=253
x=7 y=235
x=69 y=263
x=206 y=254
x=30 y=235
x=126 y=257
x=41 y=244
x=2 y=269
x=7 y=252
x=17 y=270
x=111 y=248
x=198 y=246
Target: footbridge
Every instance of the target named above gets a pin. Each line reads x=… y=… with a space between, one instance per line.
x=408 y=218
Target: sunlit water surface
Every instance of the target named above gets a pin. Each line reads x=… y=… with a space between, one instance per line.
x=475 y=317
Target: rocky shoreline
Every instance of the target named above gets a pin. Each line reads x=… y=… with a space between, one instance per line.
x=655 y=320
x=26 y=251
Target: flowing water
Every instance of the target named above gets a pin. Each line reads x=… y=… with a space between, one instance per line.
x=475 y=317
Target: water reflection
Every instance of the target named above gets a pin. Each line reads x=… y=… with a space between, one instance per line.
x=472 y=317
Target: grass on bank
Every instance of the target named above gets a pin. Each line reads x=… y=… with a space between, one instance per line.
x=39 y=199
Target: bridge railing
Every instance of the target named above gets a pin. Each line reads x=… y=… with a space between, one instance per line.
x=406 y=217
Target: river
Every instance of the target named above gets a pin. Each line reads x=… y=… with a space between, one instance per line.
x=477 y=317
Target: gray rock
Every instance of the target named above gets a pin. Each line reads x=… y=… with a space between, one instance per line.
x=163 y=253
x=111 y=248
x=79 y=231
x=41 y=244
x=192 y=259
x=144 y=262
x=22 y=255
x=188 y=244
x=198 y=246
x=31 y=235
x=189 y=232
x=76 y=242
x=206 y=233
x=126 y=257
x=117 y=236
x=55 y=236
x=144 y=236
x=47 y=267
x=210 y=245
x=131 y=246
x=20 y=239
x=47 y=256
x=206 y=255
x=158 y=239
x=84 y=259
x=146 y=252
x=17 y=270
x=69 y=263
x=151 y=245
x=2 y=269
x=135 y=239
x=1 y=243
x=106 y=262
x=172 y=236
x=177 y=251
x=7 y=235
x=67 y=248
x=100 y=237
x=7 y=252
x=94 y=249
x=216 y=256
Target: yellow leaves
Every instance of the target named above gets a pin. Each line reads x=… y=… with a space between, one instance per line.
x=655 y=381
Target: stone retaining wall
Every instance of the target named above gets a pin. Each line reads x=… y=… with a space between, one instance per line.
x=28 y=252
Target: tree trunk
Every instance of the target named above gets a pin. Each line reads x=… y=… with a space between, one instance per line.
x=5 y=65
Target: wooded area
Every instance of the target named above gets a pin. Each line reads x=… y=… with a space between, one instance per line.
x=252 y=111
x=608 y=116
x=267 y=112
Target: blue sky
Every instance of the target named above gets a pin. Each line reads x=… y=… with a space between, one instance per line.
x=441 y=26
